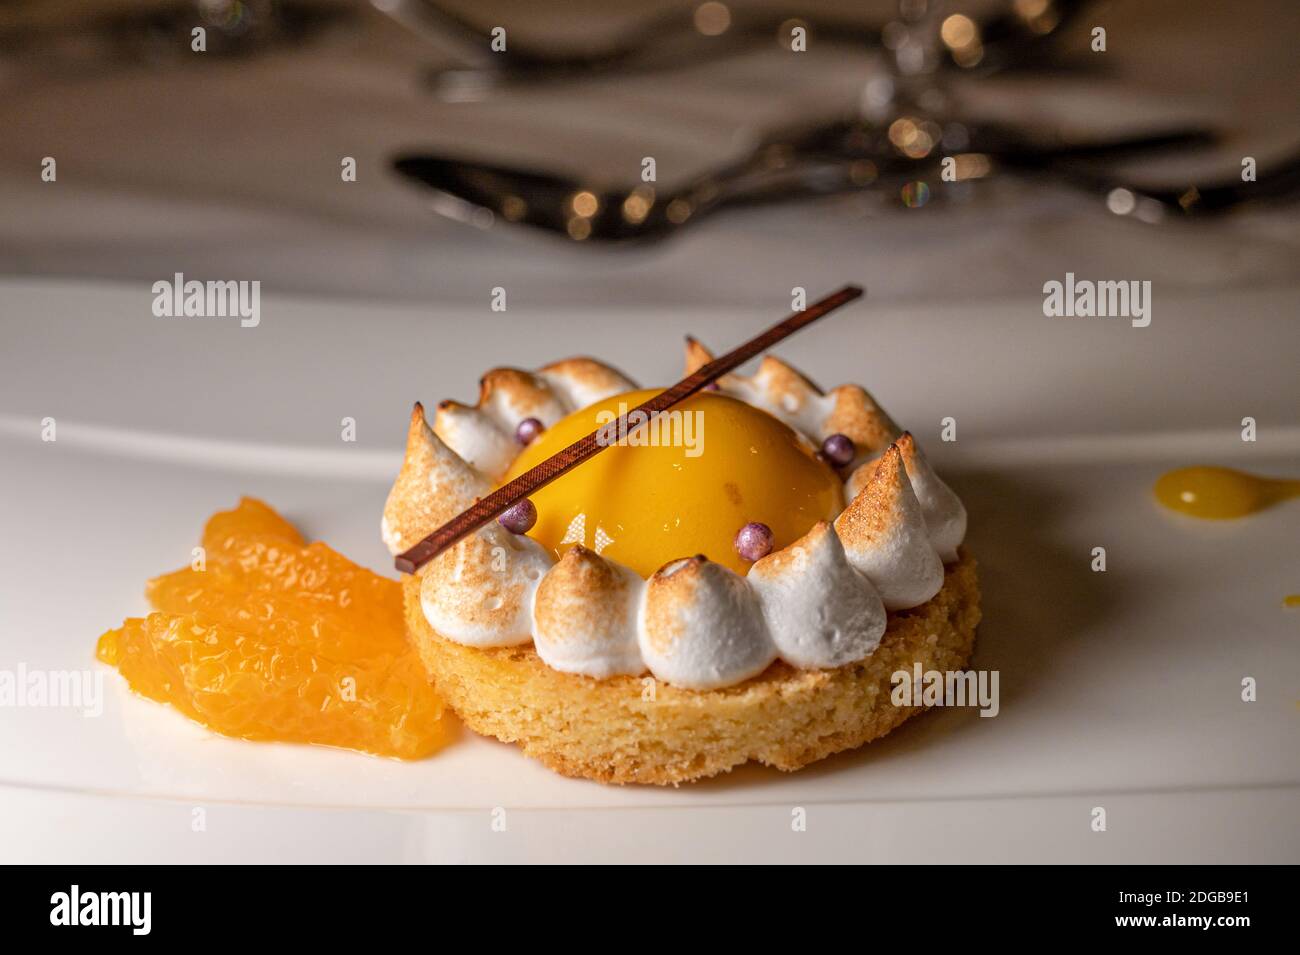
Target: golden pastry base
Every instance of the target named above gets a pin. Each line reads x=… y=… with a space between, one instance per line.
x=609 y=731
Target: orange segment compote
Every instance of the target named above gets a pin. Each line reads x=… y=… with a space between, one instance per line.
x=682 y=485
x=266 y=637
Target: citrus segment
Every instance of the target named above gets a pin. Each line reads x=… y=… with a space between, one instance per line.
x=274 y=640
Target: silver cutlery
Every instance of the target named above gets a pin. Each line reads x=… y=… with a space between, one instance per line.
x=1014 y=35
x=903 y=161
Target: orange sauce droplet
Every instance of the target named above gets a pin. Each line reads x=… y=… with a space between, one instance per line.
x=1221 y=493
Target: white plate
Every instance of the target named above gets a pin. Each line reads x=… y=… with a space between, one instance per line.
x=1120 y=690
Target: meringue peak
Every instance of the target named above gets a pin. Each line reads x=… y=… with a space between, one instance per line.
x=885 y=536
x=702 y=626
x=581 y=381
x=514 y=394
x=788 y=394
x=776 y=387
x=945 y=515
x=853 y=412
x=475 y=437
x=585 y=616
x=585 y=571
x=484 y=434
x=433 y=486
x=820 y=611
x=885 y=495
x=697 y=356
x=479 y=591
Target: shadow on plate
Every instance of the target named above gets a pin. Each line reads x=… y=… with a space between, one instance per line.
x=1038 y=594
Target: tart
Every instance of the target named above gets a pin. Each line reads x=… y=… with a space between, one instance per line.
x=738 y=579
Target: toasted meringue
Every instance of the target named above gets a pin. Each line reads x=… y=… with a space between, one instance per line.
x=583 y=381
x=702 y=626
x=585 y=616
x=476 y=437
x=885 y=537
x=789 y=395
x=783 y=393
x=820 y=611
x=508 y=395
x=817 y=603
x=484 y=434
x=434 y=485
x=945 y=515
x=855 y=413
x=480 y=591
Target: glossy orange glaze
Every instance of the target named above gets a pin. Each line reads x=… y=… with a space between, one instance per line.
x=711 y=473
x=1221 y=493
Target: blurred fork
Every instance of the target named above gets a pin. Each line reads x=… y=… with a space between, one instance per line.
x=835 y=158
x=682 y=37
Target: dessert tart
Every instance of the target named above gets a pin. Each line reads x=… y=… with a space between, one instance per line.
x=738 y=579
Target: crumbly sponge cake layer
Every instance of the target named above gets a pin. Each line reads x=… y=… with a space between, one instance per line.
x=609 y=730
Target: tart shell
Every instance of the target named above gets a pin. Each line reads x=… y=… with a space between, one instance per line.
x=613 y=732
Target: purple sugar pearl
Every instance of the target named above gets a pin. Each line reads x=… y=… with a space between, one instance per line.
x=528 y=431
x=753 y=541
x=519 y=518
x=839 y=450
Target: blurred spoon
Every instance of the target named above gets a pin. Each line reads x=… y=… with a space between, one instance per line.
x=680 y=37
x=835 y=158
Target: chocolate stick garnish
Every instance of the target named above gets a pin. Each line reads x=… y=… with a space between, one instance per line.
x=485 y=509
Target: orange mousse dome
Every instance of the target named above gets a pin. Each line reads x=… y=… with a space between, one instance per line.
x=683 y=484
